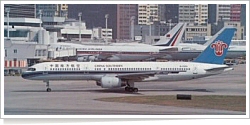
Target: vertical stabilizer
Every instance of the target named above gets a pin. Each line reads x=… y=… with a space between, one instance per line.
x=216 y=51
x=173 y=37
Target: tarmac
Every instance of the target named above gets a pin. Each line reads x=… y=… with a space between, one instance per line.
x=78 y=98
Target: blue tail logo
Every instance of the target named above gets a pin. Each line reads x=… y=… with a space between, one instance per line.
x=219 y=47
x=215 y=53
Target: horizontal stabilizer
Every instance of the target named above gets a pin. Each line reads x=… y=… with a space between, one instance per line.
x=216 y=69
x=172 y=49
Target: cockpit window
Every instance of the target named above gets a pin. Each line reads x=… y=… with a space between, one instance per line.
x=31 y=69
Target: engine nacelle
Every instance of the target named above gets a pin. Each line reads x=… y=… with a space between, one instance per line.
x=87 y=58
x=92 y=58
x=82 y=59
x=114 y=58
x=110 y=82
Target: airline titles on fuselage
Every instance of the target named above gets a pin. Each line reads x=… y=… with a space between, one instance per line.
x=89 y=49
x=109 y=65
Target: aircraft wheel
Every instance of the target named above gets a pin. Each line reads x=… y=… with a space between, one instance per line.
x=126 y=88
x=135 y=89
x=130 y=89
x=48 y=89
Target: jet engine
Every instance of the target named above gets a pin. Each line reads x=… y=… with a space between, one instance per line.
x=110 y=82
x=87 y=58
x=82 y=59
x=114 y=58
x=93 y=58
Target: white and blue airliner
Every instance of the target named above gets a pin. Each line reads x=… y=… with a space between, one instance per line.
x=125 y=74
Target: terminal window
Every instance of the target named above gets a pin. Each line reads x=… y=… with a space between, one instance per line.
x=15 y=50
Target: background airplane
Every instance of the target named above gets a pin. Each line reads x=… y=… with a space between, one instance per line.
x=188 y=51
x=119 y=74
x=125 y=52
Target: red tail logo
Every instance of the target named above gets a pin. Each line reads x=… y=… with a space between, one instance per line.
x=219 y=47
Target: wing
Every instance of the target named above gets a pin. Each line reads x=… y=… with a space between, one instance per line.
x=140 y=76
x=136 y=76
x=169 y=50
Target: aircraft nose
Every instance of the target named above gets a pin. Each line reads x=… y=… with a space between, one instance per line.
x=24 y=75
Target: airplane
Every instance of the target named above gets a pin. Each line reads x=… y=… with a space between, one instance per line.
x=189 y=51
x=132 y=52
x=120 y=74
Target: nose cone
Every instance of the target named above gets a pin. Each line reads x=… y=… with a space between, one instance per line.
x=24 y=75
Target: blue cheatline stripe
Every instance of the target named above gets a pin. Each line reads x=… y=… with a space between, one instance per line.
x=38 y=73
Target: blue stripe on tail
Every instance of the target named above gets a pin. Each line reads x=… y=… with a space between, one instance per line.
x=175 y=34
x=173 y=38
x=215 y=53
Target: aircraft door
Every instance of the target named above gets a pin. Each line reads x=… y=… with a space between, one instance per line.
x=86 y=69
x=195 y=70
x=119 y=55
x=45 y=72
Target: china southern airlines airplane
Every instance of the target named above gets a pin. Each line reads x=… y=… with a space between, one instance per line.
x=119 y=74
x=135 y=52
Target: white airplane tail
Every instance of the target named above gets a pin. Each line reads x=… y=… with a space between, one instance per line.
x=173 y=37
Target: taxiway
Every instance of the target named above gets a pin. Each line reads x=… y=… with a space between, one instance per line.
x=25 y=97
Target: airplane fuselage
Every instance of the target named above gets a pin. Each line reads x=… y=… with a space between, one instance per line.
x=165 y=71
x=121 y=53
x=116 y=53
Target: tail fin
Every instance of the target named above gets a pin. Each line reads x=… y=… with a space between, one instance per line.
x=215 y=52
x=173 y=37
x=214 y=37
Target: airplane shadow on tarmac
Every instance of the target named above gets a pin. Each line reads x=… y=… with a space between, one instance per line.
x=122 y=91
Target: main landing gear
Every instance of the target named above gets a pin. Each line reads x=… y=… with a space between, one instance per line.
x=47 y=85
x=130 y=87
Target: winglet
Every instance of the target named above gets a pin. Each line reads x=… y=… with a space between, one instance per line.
x=173 y=37
x=215 y=52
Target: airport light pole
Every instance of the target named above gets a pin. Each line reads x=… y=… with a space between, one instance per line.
x=170 y=20
x=8 y=22
x=132 y=27
x=106 y=35
x=150 y=20
x=80 y=24
x=40 y=16
x=141 y=33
